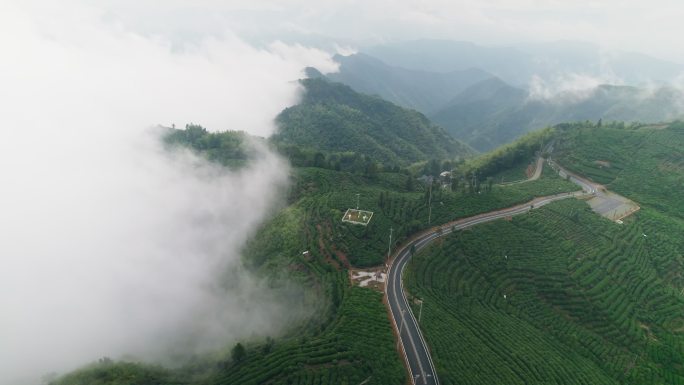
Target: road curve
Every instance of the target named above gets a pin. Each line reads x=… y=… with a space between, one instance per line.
x=415 y=349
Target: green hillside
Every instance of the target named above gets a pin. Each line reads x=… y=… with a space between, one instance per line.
x=227 y=148
x=333 y=118
x=351 y=341
x=349 y=337
x=587 y=301
x=483 y=114
x=644 y=163
x=507 y=159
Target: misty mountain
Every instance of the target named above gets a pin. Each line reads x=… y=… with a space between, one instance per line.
x=421 y=90
x=630 y=68
x=445 y=56
x=492 y=112
x=517 y=65
x=332 y=117
x=482 y=115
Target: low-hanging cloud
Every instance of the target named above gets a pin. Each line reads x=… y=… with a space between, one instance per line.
x=109 y=243
x=648 y=103
x=566 y=87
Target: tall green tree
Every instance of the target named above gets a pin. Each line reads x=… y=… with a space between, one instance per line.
x=454 y=184
x=410 y=184
x=319 y=160
x=238 y=353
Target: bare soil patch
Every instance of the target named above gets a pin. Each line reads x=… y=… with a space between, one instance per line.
x=373 y=278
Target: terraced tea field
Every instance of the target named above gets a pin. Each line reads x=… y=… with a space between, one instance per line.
x=356 y=346
x=349 y=335
x=558 y=296
x=643 y=164
x=329 y=194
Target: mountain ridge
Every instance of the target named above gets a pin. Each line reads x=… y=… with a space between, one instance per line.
x=332 y=117
x=421 y=90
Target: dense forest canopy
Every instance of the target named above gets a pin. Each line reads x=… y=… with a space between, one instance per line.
x=333 y=118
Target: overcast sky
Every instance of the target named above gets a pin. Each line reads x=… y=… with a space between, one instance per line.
x=652 y=27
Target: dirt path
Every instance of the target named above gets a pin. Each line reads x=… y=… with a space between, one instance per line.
x=538 y=169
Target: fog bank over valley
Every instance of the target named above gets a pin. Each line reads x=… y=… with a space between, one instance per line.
x=113 y=245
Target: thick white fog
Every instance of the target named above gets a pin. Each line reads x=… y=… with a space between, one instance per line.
x=110 y=245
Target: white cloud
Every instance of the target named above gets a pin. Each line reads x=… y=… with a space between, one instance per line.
x=649 y=27
x=566 y=87
x=110 y=245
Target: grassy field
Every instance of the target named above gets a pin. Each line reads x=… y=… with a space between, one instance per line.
x=557 y=296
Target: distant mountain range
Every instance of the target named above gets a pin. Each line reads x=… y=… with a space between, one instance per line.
x=491 y=113
x=453 y=84
x=334 y=118
x=517 y=65
x=421 y=90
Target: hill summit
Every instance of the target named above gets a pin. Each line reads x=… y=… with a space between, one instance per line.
x=334 y=118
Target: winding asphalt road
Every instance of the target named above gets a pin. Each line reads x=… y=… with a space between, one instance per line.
x=415 y=349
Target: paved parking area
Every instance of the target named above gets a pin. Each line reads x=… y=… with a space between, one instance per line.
x=611 y=205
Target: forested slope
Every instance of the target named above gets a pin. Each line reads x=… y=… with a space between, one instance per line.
x=334 y=118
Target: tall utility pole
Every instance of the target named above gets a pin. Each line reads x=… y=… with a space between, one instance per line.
x=357 y=201
x=389 y=248
x=420 y=313
x=430 y=204
x=401 y=327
